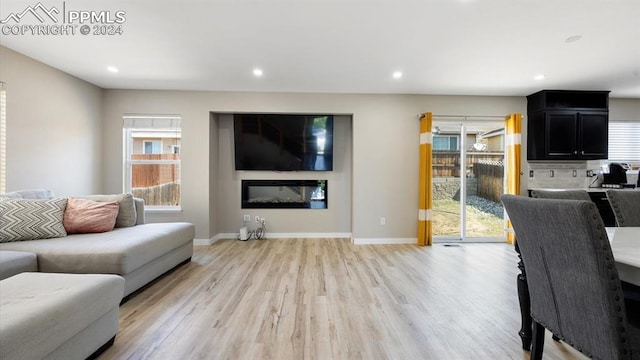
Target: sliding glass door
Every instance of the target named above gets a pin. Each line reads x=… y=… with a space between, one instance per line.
x=468 y=179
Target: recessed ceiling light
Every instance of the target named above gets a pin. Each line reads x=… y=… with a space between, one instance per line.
x=112 y=69
x=539 y=77
x=397 y=75
x=573 y=38
x=257 y=72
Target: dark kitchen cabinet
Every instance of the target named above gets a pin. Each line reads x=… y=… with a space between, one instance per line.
x=567 y=125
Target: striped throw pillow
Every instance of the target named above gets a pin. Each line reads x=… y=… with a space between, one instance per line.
x=27 y=219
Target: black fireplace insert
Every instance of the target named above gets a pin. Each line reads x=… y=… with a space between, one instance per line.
x=284 y=194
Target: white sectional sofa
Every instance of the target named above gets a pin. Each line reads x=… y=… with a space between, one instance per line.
x=58 y=316
x=139 y=253
x=16 y=262
x=61 y=286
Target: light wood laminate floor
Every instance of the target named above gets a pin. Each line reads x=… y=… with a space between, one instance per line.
x=329 y=299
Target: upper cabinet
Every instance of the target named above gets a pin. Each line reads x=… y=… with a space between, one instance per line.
x=567 y=125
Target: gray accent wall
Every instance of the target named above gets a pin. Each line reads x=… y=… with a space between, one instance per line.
x=335 y=220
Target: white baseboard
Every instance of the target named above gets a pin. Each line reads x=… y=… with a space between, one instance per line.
x=226 y=236
x=212 y=240
x=470 y=241
x=202 y=242
x=307 y=235
x=357 y=241
x=275 y=236
x=382 y=241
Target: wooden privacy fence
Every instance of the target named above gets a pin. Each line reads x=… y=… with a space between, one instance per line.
x=159 y=195
x=158 y=184
x=447 y=163
x=145 y=175
x=490 y=179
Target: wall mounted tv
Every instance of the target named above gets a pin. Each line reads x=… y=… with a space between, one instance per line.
x=283 y=142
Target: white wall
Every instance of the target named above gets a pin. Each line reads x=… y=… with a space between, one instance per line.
x=196 y=163
x=53 y=128
x=624 y=109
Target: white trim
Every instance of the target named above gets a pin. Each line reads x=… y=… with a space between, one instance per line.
x=513 y=139
x=202 y=242
x=425 y=138
x=214 y=239
x=463 y=181
x=469 y=240
x=307 y=235
x=153 y=162
x=274 y=236
x=425 y=215
x=383 y=241
x=158 y=122
x=226 y=236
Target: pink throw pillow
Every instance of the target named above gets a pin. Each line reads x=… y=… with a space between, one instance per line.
x=86 y=216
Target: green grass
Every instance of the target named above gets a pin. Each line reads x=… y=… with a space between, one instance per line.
x=446 y=220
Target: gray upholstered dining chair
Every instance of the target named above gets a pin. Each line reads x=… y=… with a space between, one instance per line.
x=560 y=194
x=572 y=277
x=564 y=194
x=626 y=206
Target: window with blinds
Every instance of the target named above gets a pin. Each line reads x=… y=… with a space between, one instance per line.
x=152 y=159
x=3 y=139
x=624 y=141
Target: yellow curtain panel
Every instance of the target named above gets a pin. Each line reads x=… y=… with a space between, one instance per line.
x=425 y=235
x=514 y=151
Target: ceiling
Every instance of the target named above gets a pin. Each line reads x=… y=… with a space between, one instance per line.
x=460 y=47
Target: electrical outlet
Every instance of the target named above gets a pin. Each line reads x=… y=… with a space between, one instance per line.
x=551 y=173
x=575 y=173
x=530 y=173
x=383 y=221
x=590 y=173
x=247 y=218
x=257 y=218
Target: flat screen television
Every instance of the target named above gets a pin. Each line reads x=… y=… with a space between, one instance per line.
x=280 y=142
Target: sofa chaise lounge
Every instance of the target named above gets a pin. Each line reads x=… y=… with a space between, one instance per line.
x=139 y=253
x=59 y=292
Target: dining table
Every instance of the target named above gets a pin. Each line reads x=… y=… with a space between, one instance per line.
x=625 y=246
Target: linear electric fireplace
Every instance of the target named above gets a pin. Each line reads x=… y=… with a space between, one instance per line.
x=284 y=194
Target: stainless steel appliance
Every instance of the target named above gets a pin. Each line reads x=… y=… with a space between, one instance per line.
x=617 y=176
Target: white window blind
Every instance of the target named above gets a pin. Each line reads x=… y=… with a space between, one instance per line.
x=164 y=122
x=624 y=140
x=3 y=139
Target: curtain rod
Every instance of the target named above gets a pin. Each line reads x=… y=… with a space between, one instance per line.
x=467 y=117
